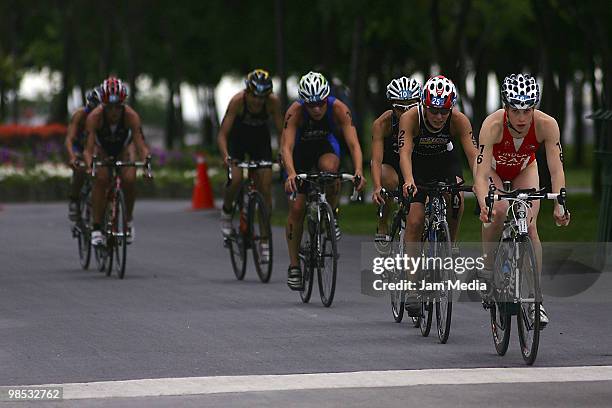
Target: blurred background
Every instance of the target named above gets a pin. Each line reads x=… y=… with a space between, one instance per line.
x=183 y=60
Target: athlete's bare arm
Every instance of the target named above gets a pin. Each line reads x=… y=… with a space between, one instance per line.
x=92 y=124
x=293 y=119
x=461 y=128
x=548 y=128
x=491 y=132
x=381 y=128
x=408 y=129
x=73 y=128
x=344 y=119
x=133 y=121
x=227 y=123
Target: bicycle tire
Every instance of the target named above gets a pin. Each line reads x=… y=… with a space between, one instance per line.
x=307 y=259
x=500 y=312
x=444 y=302
x=237 y=241
x=84 y=234
x=110 y=243
x=398 y=297
x=119 y=232
x=426 y=317
x=529 y=332
x=327 y=255
x=259 y=231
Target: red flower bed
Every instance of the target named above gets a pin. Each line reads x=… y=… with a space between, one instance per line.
x=8 y=132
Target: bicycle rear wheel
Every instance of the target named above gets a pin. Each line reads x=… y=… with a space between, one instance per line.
x=529 y=287
x=444 y=297
x=398 y=297
x=119 y=233
x=260 y=233
x=327 y=254
x=83 y=228
x=308 y=258
x=237 y=239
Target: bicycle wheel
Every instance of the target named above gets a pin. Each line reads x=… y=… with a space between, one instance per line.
x=119 y=232
x=426 y=316
x=109 y=249
x=529 y=290
x=308 y=258
x=327 y=254
x=237 y=239
x=444 y=296
x=395 y=275
x=500 y=310
x=260 y=232
x=83 y=231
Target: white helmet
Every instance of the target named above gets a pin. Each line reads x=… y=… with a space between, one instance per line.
x=520 y=91
x=313 y=87
x=403 y=89
x=439 y=92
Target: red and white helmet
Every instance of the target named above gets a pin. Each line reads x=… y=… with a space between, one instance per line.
x=113 y=91
x=439 y=92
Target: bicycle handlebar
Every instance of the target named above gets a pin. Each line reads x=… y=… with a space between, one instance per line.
x=325 y=176
x=396 y=195
x=111 y=162
x=251 y=164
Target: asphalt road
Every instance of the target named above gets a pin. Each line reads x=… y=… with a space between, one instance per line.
x=180 y=313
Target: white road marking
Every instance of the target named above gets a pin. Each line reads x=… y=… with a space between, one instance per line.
x=360 y=379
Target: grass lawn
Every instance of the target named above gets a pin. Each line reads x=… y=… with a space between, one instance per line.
x=361 y=219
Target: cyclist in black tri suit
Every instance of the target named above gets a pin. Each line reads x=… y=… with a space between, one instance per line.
x=428 y=154
x=310 y=142
x=111 y=128
x=75 y=144
x=245 y=128
x=402 y=93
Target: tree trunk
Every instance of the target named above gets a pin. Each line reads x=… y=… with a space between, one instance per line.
x=170 y=117
x=578 y=110
x=279 y=14
x=2 y=101
x=354 y=75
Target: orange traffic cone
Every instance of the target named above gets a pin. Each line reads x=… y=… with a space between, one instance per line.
x=202 y=193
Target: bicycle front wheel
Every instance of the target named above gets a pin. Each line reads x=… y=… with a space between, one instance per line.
x=237 y=240
x=396 y=275
x=119 y=233
x=528 y=316
x=83 y=228
x=307 y=257
x=444 y=297
x=327 y=254
x=501 y=310
x=260 y=233
x=108 y=250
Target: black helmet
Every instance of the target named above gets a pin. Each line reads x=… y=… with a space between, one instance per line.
x=259 y=82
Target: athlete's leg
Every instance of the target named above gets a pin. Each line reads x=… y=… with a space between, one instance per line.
x=229 y=192
x=529 y=178
x=454 y=222
x=491 y=232
x=390 y=181
x=330 y=162
x=263 y=182
x=295 y=225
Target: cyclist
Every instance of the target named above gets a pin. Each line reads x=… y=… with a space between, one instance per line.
x=508 y=141
x=428 y=154
x=402 y=93
x=245 y=127
x=310 y=140
x=75 y=144
x=111 y=127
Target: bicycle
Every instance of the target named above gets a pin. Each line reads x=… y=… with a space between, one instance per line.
x=115 y=231
x=253 y=224
x=436 y=245
x=320 y=242
x=516 y=282
x=395 y=243
x=81 y=228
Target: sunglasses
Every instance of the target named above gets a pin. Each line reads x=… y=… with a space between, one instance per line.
x=403 y=107
x=318 y=104
x=438 y=111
